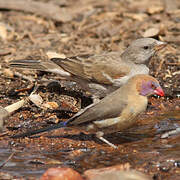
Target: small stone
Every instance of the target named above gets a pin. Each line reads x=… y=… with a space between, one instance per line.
x=164 y=168
x=8 y=73
x=177 y=163
x=61 y=174
x=50 y=105
x=4 y=175
x=114 y=173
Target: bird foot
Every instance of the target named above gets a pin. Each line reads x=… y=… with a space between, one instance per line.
x=107 y=142
x=100 y=134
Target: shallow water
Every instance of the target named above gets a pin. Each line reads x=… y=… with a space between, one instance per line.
x=139 y=146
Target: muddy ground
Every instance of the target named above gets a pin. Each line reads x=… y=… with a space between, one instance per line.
x=87 y=27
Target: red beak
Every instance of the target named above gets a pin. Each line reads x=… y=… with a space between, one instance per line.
x=159 y=91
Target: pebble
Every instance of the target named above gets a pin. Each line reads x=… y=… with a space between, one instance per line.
x=8 y=73
x=61 y=174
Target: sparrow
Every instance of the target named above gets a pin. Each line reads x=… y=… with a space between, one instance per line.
x=100 y=74
x=115 y=112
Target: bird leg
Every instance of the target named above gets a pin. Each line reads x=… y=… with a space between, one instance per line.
x=100 y=134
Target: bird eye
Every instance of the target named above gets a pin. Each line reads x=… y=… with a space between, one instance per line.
x=153 y=86
x=146 y=47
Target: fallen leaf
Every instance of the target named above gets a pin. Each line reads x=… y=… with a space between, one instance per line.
x=152 y=32
x=139 y=17
x=8 y=73
x=155 y=9
x=50 y=105
x=3 y=31
x=52 y=54
x=36 y=99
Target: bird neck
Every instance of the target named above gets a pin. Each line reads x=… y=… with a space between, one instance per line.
x=132 y=56
x=127 y=56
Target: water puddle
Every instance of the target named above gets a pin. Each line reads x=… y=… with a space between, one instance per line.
x=139 y=146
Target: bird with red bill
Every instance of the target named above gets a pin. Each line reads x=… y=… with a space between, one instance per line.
x=116 y=112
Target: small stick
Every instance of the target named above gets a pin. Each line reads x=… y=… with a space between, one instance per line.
x=107 y=142
x=47 y=10
x=5 y=112
x=160 y=66
x=170 y=133
x=100 y=134
x=13 y=107
x=5 y=162
x=29 y=78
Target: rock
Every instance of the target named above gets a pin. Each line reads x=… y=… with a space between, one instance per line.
x=4 y=175
x=61 y=174
x=50 y=105
x=8 y=73
x=114 y=173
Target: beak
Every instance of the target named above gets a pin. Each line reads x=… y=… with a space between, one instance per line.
x=160 y=46
x=159 y=91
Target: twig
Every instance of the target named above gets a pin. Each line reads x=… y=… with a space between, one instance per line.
x=29 y=78
x=5 y=162
x=13 y=107
x=3 y=134
x=8 y=110
x=160 y=66
x=25 y=89
x=173 y=64
x=5 y=52
x=170 y=133
x=47 y=10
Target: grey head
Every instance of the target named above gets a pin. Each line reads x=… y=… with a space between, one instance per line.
x=141 y=50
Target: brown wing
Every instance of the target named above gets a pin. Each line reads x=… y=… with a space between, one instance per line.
x=98 y=68
x=74 y=65
x=109 y=107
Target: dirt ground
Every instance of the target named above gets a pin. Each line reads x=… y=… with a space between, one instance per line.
x=83 y=27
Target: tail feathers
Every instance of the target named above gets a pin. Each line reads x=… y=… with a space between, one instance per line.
x=29 y=64
x=48 y=66
x=50 y=128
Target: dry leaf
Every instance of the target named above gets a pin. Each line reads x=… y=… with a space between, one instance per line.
x=139 y=17
x=36 y=99
x=151 y=32
x=3 y=31
x=8 y=73
x=52 y=54
x=155 y=9
x=50 y=105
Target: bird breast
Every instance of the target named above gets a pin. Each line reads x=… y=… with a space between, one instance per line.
x=136 y=69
